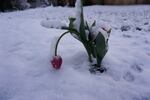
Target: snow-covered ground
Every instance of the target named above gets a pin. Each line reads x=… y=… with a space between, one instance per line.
x=25 y=71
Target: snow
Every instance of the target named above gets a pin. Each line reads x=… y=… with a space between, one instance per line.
x=53 y=24
x=78 y=8
x=53 y=46
x=23 y=4
x=26 y=72
x=96 y=29
x=104 y=33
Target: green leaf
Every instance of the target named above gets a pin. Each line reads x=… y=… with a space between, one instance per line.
x=71 y=25
x=101 y=47
x=82 y=29
x=82 y=32
x=94 y=23
x=87 y=26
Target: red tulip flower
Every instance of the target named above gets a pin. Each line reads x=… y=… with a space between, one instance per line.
x=56 y=59
x=56 y=62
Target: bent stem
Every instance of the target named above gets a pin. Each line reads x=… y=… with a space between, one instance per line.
x=59 y=41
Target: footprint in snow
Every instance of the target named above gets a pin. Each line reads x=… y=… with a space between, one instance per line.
x=138 y=28
x=142 y=98
x=18 y=43
x=4 y=94
x=147 y=42
x=125 y=28
x=137 y=68
x=15 y=47
x=128 y=76
x=146 y=23
x=126 y=36
x=148 y=54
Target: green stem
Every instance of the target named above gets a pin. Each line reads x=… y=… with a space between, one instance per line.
x=58 y=42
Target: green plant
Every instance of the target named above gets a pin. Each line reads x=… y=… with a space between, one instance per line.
x=95 y=42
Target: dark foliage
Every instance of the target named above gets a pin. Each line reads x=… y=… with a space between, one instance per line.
x=6 y=5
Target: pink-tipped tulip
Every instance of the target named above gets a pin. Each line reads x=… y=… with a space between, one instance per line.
x=56 y=62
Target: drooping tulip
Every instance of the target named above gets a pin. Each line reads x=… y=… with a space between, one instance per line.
x=56 y=62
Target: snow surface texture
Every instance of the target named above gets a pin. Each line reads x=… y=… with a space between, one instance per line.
x=26 y=73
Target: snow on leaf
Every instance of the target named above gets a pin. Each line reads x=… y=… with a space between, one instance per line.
x=78 y=8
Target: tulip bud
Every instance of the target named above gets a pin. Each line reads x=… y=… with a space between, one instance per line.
x=56 y=62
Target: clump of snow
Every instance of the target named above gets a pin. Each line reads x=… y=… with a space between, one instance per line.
x=106 y=27
x=53 y=24
x=78 y=8
x=104 y=33
x=103 y=29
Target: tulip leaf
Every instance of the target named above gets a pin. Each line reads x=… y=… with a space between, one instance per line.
x=82 y=26
x=94 y=23
x=101 y=47
x=82 y=29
